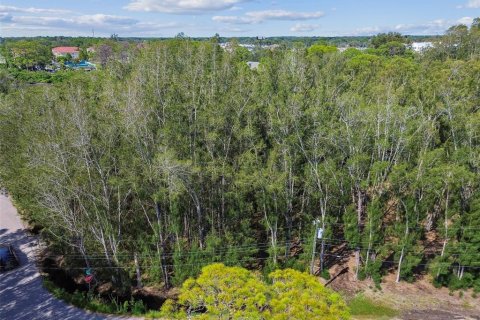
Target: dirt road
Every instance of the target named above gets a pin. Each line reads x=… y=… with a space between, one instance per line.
x=22 y=296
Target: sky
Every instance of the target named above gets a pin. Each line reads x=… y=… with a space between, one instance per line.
x=232 y=18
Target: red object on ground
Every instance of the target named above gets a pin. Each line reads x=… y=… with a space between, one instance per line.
x=88 y=278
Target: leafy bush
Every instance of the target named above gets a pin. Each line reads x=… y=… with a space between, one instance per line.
x=95 y=303
x=325 y=274
x=298 y=295
x=41 y=76
x=234 y=292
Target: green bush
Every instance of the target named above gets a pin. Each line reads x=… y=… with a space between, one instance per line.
x=234 y=292
x=95 y=303
x=41 y=76
x=325 y=274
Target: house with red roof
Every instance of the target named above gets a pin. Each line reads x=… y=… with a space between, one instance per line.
x=63 y=51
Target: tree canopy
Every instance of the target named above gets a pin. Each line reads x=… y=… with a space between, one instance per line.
x=179 y=154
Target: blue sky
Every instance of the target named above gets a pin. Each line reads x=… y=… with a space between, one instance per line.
x=165 y=18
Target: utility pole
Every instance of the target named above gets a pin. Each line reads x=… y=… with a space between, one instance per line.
x=317 y=233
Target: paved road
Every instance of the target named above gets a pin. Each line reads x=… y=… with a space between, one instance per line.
x=22 y=296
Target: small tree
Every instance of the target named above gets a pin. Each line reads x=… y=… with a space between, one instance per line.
x=298 y=295
x=224 y=292
x=83 y=54
x=236 y=293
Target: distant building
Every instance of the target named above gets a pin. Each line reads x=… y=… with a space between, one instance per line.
x=421 y=46
x=342 y=49
x=253 y=65
x=229 y=47
x=63 y=51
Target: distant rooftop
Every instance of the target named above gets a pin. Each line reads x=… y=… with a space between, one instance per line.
x=65 y=49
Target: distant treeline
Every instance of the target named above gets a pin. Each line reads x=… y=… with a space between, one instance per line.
x=360 y=41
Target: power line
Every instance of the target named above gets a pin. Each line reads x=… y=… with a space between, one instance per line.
x=245 y=248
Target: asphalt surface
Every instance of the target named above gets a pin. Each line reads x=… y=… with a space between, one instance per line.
x=22 y=295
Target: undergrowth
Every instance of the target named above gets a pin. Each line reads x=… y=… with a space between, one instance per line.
x=95 y=303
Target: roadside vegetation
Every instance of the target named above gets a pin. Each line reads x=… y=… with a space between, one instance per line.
x=176 y=155
x=95 y=303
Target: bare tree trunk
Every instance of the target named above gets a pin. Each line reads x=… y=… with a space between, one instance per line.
x=273 y=233
x=359 y=221
x=403 y=247
x=312 y=262
x=399 y=266
x=322 y=254
x=161 y=252
x=445 y=224
x=137 y=269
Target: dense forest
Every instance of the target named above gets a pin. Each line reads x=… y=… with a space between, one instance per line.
x=178 y=155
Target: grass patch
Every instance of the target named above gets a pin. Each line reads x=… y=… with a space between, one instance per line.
x=362 y=306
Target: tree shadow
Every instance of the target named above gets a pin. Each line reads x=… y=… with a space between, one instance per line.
x=23 y=296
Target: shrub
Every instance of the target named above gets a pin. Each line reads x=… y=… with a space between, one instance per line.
x=234 y=292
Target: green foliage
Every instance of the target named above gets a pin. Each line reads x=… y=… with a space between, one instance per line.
x=321 y=49
x=6 y=81
x=29 y=55
x=325 y=274
x=225 y=292
x=33 y=77
x=301 y=296
x=383 y=39
x=233 y=292
x=95 y=303
x=83 y=55
x=178 y=152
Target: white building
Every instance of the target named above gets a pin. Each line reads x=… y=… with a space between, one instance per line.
x=421 y=46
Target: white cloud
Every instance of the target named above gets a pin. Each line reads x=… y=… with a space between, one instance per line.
x=438 y=26
x=9 y=9
x=366 y=31
x=283 y=15
x=95 y=20
x=104 y=19
x=181 y=6
x=234 y=29
x=474 y=4
x=5 y=17
x=432 y=27
x=261 y=16
x=232 y=19
x=465 y=20
x=104 y=25
x=302 y=27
